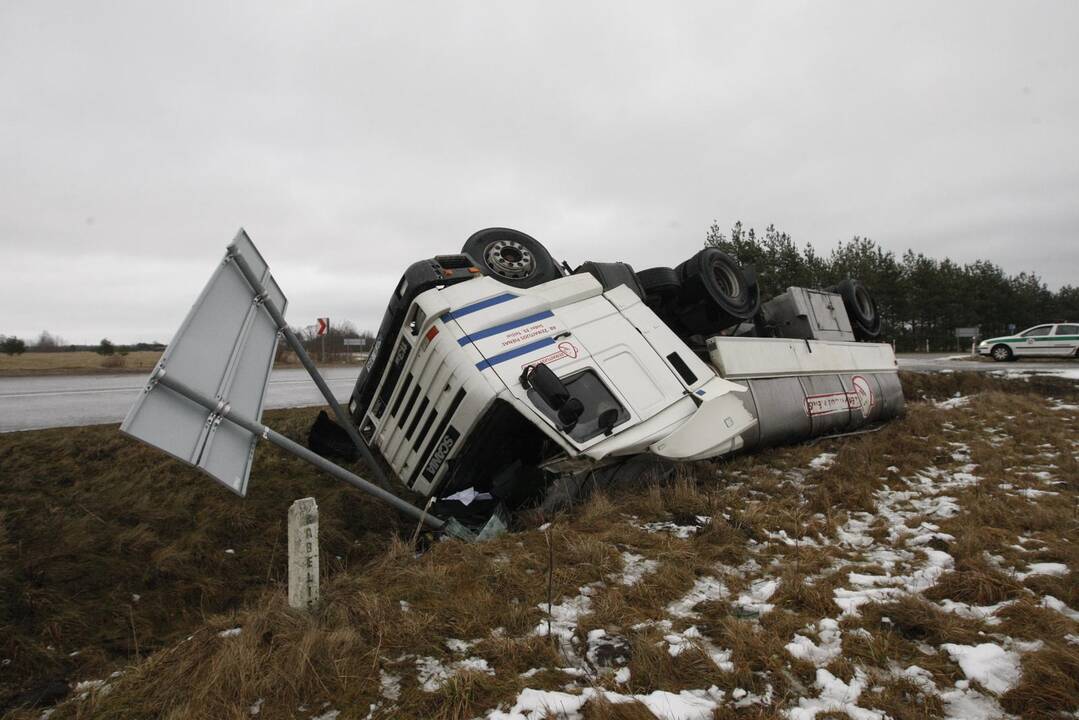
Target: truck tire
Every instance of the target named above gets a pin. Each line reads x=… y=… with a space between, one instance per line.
x=715 y=275
x=511 y=257
x=717 y=293
x=660 y=283
x=861 y=308
x=611 y=275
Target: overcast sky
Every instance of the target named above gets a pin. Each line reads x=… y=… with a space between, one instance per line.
x=351 y=139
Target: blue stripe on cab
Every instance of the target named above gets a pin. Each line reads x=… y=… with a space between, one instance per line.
x=516 y=352
x=477 y=306
x=481 y=334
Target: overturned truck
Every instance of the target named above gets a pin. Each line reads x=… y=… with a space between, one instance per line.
x=500 y=374
x=501 y=379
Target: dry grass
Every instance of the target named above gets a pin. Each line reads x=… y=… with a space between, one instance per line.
x=77 y=363
x=90 y=363
x=87 y=524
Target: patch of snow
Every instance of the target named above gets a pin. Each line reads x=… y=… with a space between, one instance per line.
x=951 y=404
x=1047 y=568
x=992 y=666
x=691 y=637
x=1032 y=493
x=966 y=704
x=328 y=715
x=232 y=632
x=255 y=708
x=682 y=532
x=389 y=685
x=756 y=600
x=1053 y=603
x=704 y=589
x=538 y=704
x=835 y=696
x=533 y=704
x=635 y=567
x=431 y=674
x=820 y=653
x=822 y=461
x=564 y=615
x=459 y=646
x=622 y=676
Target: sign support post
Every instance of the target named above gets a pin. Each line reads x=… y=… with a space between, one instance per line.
x=222 y=411
x=297 y=347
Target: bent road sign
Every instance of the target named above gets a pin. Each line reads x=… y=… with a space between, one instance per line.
x=224 y=349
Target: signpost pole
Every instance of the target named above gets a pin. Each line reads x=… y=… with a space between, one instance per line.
x=221 y=409
x=297 y=347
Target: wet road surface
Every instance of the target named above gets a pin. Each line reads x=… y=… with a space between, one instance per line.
x=32 y=403
x=937 y=362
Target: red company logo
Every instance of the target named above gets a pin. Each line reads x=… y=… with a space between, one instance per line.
x=860 y=397
x=566 y=349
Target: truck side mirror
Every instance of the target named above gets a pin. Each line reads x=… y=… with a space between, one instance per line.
x=607 y=420
x=553 y=391
x=546 y=384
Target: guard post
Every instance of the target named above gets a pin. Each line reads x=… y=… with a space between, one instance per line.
x=303 y=592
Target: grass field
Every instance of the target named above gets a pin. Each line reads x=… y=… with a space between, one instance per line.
x=926 y=570
x=77 y=363
x=90 y=363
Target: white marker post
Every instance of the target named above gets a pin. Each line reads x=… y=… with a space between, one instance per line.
x=303 y=554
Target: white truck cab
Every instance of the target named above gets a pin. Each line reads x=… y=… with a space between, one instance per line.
x=467 y=349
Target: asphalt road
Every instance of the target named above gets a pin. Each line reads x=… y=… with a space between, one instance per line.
x=936 y=362
x=32 y=403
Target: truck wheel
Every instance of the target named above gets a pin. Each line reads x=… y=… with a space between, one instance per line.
x=861 y=308
x=512 y=257
x=1001 y=353
x=611 y=275
x=660 y=283
x=713 y=274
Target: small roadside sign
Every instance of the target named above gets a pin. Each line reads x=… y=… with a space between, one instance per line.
x=323 y=326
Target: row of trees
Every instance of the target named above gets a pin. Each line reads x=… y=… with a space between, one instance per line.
x=920 y=298
x=47 y=342
x=328 y=346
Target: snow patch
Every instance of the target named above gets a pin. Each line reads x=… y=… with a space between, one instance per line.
x=828 y=647
x=991 y=665
x=704 y=589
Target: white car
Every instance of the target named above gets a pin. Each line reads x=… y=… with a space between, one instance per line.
x=1053 y=340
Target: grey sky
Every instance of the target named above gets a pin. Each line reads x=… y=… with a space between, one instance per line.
x=351 y=139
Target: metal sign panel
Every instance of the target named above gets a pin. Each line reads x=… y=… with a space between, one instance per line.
x=967 y=332
x=225 y=350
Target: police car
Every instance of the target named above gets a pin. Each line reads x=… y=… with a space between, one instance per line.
x=1052 y=340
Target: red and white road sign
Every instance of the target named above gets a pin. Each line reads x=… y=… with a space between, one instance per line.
x=323 y=326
